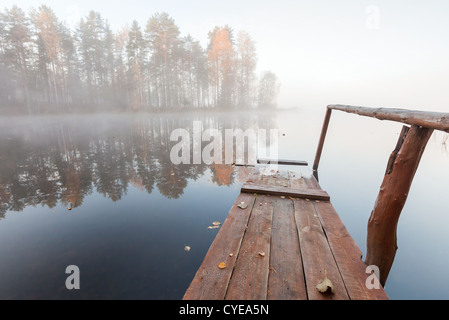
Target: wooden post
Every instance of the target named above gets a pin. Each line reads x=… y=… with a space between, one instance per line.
x=316 y=162
x=382 y=224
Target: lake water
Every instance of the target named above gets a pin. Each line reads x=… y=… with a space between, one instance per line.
x=133 y=211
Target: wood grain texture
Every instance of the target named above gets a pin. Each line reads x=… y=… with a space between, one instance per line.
x=210 y=282
x=285 y=191
x=283 y=162
x=286 y=280
x=250 y=275
x=316 y=253
x=347 y=255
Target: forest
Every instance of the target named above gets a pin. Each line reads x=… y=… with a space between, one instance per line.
x=48 y=67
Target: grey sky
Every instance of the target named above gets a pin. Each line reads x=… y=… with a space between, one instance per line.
x=376 y=53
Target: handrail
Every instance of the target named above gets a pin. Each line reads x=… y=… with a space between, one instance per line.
x=426 y=119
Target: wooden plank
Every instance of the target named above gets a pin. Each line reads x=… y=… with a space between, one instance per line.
x=283 y=162
x=312 y=183
x=250 y=276
x=210 y=282
x=297 y=181
x=284 y=191
x=286 y=278
x=316 y=253
x=278 y=181
x=347 y=255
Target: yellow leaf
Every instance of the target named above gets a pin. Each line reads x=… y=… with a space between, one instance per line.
x=325 y=286
x=242 y=205
x=222 y=265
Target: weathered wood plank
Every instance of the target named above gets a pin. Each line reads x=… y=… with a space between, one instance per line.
x=316 y=253
x=276 y=181
x=297 y=182
x=285 y=191
x=286 y=278
x=347 y=255
x=210 y=282
x=312 y=183
x=250 y=276
x=283 y=162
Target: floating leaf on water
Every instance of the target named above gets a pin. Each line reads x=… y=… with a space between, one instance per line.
x=186 y=247
x=216 y=223
x=213 y=227
x=325 y=286
x=222 y=265
x=242 y=205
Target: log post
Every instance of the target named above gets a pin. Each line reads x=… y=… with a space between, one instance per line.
x=316 y=162
x=382 y=224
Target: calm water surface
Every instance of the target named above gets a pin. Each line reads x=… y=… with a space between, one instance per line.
x=133 y=211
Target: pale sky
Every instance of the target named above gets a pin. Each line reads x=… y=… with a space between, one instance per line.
x=390 y=53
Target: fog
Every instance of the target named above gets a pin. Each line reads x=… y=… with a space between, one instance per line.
x=48 y=67
x=90 y=93
x=390 y=54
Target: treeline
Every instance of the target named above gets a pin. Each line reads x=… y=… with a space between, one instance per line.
x=47 y=67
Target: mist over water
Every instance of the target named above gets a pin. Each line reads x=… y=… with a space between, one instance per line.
x=87 y=107
x=133 y=211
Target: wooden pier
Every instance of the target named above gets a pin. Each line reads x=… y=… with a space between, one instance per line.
x=282 y=234
x=278 y=244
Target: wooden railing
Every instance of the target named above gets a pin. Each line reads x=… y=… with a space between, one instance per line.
x=401 y=168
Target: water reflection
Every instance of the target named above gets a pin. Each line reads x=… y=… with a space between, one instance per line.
x=43 y=162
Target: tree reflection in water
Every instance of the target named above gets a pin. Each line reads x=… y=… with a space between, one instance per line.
x=46 y=161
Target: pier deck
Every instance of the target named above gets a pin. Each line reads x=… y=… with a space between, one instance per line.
x=280 y=245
